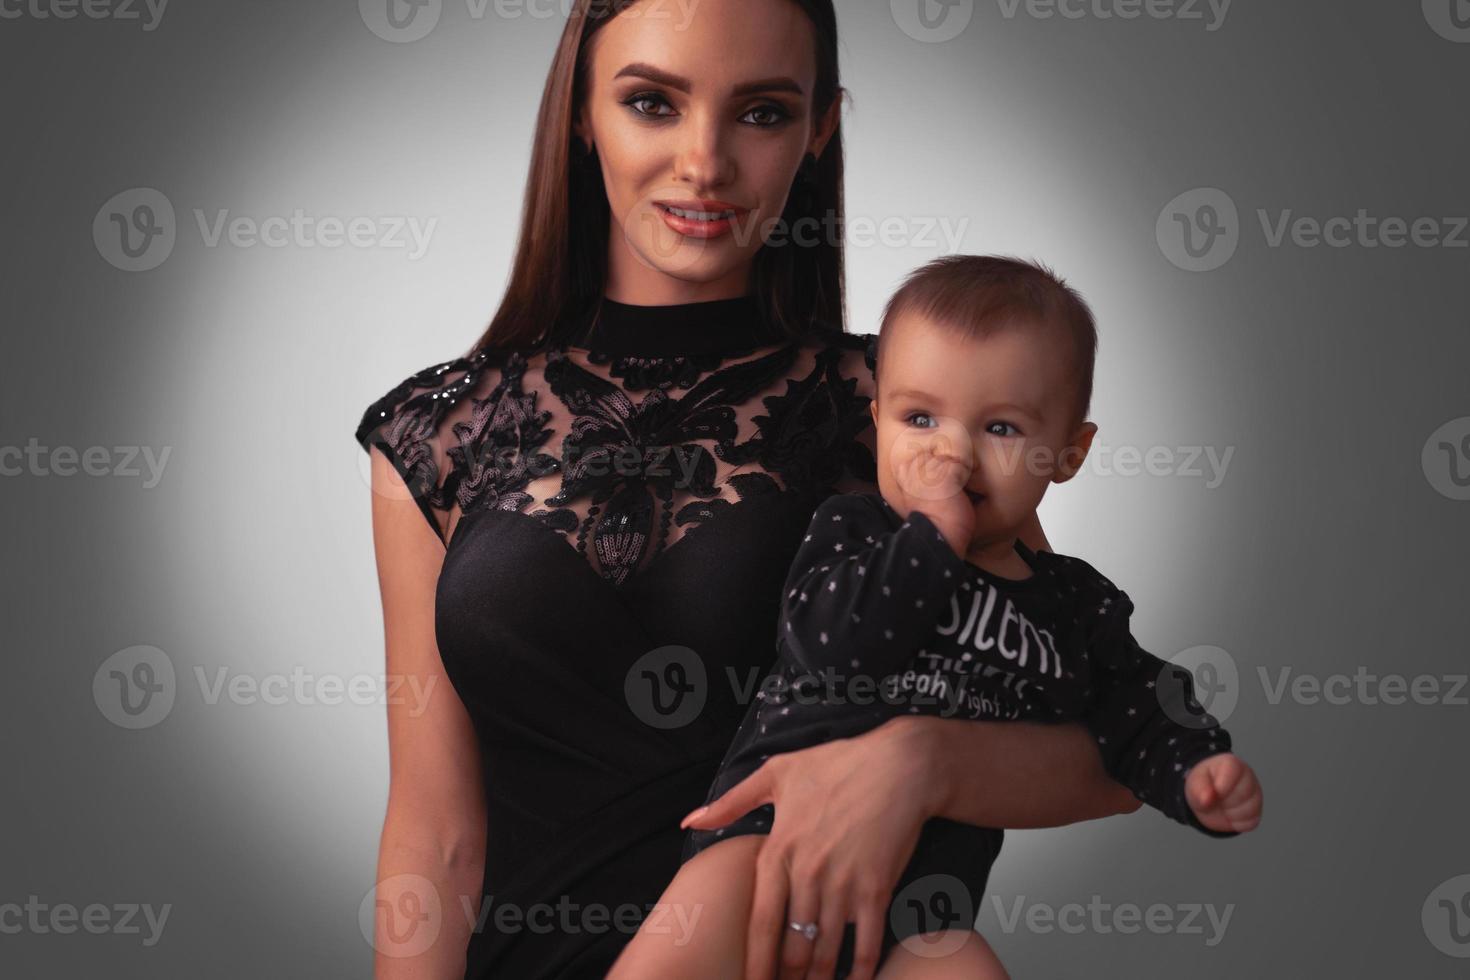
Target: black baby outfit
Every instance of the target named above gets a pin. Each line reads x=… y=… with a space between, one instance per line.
x=881 y=618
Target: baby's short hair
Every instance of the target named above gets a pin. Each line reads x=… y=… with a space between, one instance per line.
x=973 y=295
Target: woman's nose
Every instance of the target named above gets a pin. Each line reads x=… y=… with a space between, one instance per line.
x=704 y=160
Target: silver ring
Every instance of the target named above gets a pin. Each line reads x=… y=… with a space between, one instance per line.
x=807 y=929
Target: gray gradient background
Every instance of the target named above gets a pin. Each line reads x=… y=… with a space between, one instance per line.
x=1324 y=549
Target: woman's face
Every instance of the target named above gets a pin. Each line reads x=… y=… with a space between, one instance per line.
x=700 y=114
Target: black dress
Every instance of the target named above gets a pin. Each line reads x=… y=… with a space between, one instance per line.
x=620 y=515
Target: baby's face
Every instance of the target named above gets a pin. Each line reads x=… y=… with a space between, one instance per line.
x=1004 y=406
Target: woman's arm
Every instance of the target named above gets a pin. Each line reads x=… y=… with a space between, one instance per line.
x=1050 y=774
x=850 y=811
x=434 y=828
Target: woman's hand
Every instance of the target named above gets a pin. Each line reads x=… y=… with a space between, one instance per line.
x=848 y=816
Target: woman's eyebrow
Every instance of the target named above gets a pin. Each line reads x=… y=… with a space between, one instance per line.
x=640 y=69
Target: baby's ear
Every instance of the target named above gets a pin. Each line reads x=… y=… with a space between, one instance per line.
x=1075 y=453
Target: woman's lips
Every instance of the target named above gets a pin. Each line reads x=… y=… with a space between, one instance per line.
x=700 y=219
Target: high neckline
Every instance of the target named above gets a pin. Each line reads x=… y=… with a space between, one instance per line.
x=717 y=326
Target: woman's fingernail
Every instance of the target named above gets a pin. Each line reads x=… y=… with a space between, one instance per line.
x=692 y=816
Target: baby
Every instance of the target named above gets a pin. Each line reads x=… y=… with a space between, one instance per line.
x=923 y=599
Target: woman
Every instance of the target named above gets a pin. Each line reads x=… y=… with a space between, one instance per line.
x=688 y=367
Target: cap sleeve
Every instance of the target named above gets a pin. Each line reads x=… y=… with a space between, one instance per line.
x=412 y=426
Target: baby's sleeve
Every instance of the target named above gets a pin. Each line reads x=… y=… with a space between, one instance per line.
x=1148 y=725
x=861 y=590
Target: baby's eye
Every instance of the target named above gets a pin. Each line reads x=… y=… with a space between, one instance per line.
x=919 y=415
x=1002 y=429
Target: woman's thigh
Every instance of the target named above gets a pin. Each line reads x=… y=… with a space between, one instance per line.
x=956 y=954
x=698 y=928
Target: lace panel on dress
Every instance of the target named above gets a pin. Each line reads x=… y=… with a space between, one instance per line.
x=623 y=455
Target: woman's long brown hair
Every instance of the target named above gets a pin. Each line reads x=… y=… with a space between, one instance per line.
x=560 y=269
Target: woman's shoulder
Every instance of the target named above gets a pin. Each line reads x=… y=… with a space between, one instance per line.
x=855 y=354
x=413 y=423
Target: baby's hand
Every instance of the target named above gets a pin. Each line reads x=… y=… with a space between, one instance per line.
x=1224 y=794
x=931 y=475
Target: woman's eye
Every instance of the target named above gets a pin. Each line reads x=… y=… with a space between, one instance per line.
x=772 y=114
x=919 y=415
x=647 y=99
x=1002 y=429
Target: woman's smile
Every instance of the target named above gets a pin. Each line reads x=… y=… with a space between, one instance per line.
x=700 y=218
